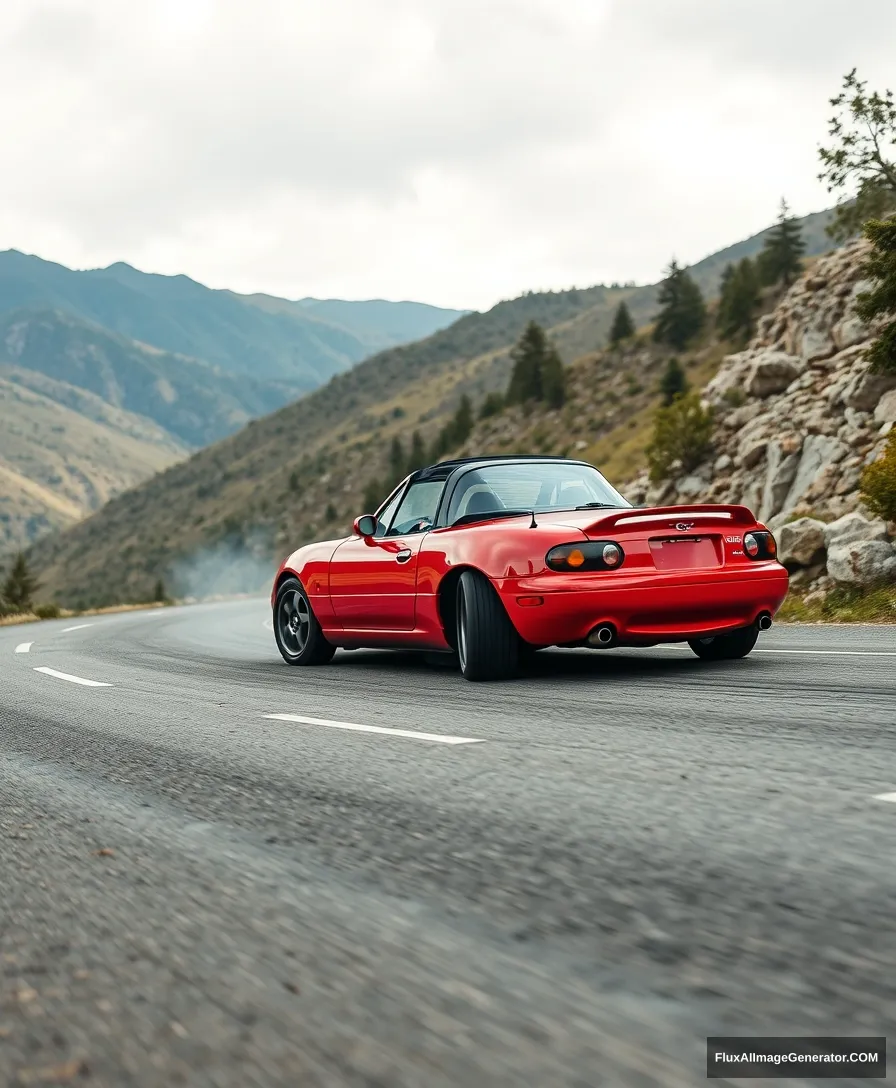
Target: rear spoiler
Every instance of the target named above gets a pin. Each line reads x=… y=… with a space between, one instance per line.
x=669 y=516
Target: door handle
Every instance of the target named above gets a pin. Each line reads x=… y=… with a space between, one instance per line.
x=404 y=555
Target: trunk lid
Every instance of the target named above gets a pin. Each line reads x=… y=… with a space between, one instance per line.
x=666 y=538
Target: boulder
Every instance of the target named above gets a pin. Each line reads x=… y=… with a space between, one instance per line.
x=862 y=562
x=853 y=527
x=772 y=373
x=851 y=330
x=779 y=475
x=722 y=464
x=819 y=451
x=865 y=390
x=751 y=451
x=885 y=412
x=801 y=543
x=691 y=486
x=818 y=343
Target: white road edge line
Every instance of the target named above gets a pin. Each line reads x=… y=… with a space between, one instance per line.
x=835 y=653
x=77 y=627
x=769 y=650
x=72 y=679
x=24 y=647
x=438 y=738
x=885 y=797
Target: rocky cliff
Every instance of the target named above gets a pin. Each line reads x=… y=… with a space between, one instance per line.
x=798 y=417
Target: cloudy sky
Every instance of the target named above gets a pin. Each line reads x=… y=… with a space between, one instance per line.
x=453 y=151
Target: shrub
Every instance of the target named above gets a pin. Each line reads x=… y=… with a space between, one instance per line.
x=48 y=612
x=734 y=397
x=682 y=436
x=878 y=483
x=491 y=406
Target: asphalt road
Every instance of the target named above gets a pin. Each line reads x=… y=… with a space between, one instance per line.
x=640 y=850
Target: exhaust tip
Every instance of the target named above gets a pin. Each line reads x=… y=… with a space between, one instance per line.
x=604 y=635
x=764 y=621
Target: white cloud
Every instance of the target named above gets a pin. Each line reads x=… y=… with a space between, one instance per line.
x=457 y=151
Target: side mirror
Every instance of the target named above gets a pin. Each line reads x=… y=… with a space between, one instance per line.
x=365 y=525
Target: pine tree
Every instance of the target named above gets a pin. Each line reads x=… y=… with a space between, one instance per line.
x=623 y=326
x=397 y=460
x=553 y=379
x=462 y=424
x=682 y=309
x=19 y=587
x=739 y=298
x=861 y=157
x=491 y=406
x=528 y=358
x=538 y=372
x=881 y=300
x=158 y=594
x=373 y=496
x=782 y=255
x=417 y=458
x=673 y=383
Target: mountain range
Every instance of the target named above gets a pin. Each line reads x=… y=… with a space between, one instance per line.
x=217 y=520
x=109 y=375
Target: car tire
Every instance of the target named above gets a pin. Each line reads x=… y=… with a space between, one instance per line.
x=488 y=646
x=725 y=647
x=296 y=630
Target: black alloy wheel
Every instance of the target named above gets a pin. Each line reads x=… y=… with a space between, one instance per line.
x=725 y=647
x=298 y=634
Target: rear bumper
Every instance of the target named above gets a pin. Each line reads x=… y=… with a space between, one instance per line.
x=643 y=608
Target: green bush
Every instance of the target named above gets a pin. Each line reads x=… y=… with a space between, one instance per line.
x=878 y=483
x=682 y=435
x=734 y=397
x=48 y=612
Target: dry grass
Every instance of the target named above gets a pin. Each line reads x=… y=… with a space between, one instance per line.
x=67 y=613
x=842 y=605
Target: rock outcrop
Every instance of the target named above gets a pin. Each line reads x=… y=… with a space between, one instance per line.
x=798 y=417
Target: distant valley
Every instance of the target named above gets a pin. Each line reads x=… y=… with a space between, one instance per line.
x=110 y=375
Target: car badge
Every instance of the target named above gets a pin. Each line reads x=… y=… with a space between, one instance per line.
x=683 y=526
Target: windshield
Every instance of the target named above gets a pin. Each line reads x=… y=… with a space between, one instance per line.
x=536 y=486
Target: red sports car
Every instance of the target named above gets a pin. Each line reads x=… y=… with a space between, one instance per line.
x=492 y=558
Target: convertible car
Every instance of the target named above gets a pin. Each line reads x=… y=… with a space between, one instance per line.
x=493 y=558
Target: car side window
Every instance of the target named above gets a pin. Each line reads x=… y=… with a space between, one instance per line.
x=385 y=517
x=417 y=511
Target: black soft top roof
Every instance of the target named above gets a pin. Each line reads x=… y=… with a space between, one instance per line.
x=443 y=469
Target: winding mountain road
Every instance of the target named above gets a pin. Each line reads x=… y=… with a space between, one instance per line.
x=219 y=871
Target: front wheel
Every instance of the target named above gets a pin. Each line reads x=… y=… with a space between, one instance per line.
x=725 y=647
x=298 y=634
x=488 y=646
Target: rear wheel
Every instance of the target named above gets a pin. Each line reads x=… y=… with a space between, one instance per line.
x=488 y=646
x=298 y=634
x=725 y=647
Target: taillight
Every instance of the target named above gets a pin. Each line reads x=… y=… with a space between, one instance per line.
x=593 y=555
x=760 y=545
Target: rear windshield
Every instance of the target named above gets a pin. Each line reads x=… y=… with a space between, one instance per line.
x=537 y=486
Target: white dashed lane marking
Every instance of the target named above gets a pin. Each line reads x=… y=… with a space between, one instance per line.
x=77 y=627
x=409 y=734
x=72 y=679
x=885 y=797
x=24 y=647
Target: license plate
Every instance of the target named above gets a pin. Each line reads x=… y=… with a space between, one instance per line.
x=685 y=553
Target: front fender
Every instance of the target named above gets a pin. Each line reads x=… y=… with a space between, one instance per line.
x=311 y=565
